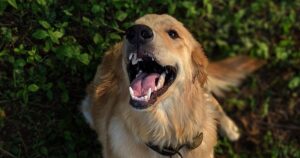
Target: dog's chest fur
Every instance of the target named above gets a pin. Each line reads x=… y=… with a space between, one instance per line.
x=170 y=124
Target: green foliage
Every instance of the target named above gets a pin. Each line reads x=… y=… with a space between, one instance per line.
x=295 y=82
x=49 y=51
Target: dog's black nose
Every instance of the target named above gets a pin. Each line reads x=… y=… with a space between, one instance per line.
x=139 y=34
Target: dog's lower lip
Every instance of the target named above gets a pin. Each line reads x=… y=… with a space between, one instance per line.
x=139 y=104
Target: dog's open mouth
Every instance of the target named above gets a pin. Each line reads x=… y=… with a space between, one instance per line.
x=148 y=80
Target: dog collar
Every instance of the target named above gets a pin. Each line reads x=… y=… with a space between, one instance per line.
x=170 y=151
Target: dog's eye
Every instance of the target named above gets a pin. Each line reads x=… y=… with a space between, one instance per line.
x=173 y=34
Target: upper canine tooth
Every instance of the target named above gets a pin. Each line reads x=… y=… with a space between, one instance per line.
x=133 y=56
x=130 y=56
x=158 y=86
x=134 y=61
x=161 y=80
x=131 y=92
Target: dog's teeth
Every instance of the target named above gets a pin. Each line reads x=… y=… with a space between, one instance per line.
x=149 y=94
x=131 y=92
x=152 y=59
x=134 y=61
x=158 y=86
x=135 y=55
x=145 y=98
x=130 y=56
x=155 y=88
x=136 y=98
x=138 y=73
x=161 y=80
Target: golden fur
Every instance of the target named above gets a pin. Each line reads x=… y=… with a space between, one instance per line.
x=185 y=109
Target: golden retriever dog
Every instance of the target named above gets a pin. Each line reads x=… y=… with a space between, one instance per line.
x=152 y=97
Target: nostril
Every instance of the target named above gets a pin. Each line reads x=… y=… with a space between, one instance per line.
x=146 y=34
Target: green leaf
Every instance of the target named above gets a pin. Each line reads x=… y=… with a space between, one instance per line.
x=263 y=50
x=281 y=53
x=294 y=83
x=6 y=34
x=55 y=36
x=121 y=15
x=58 y=34
x=209 y=8
x=114 y=36
x=96 y=9
x=86 y=20
x=20 y=63
x=42 y=2
x=33 y=88
x=68 y=13
x=3 y=53
x=68 y=51
x=13 y=3
x=84 y=58
x=97 y=38
x=40 y=34
x=45 y=24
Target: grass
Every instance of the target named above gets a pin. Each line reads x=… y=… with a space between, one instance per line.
x=49 y=51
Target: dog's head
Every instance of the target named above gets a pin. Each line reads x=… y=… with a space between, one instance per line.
x=160 y=55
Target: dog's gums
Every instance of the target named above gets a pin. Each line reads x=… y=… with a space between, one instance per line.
x=148 y=80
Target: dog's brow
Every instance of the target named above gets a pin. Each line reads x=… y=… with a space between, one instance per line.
x=165 y=22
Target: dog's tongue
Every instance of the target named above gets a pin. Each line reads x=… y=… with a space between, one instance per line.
x=143 y=82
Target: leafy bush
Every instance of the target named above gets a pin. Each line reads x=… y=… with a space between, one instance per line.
x=49 y=50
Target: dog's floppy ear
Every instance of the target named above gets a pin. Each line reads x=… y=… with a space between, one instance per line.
x=108 y=72
x=199 y=64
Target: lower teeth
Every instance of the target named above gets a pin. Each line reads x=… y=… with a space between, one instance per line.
x=145 y=98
